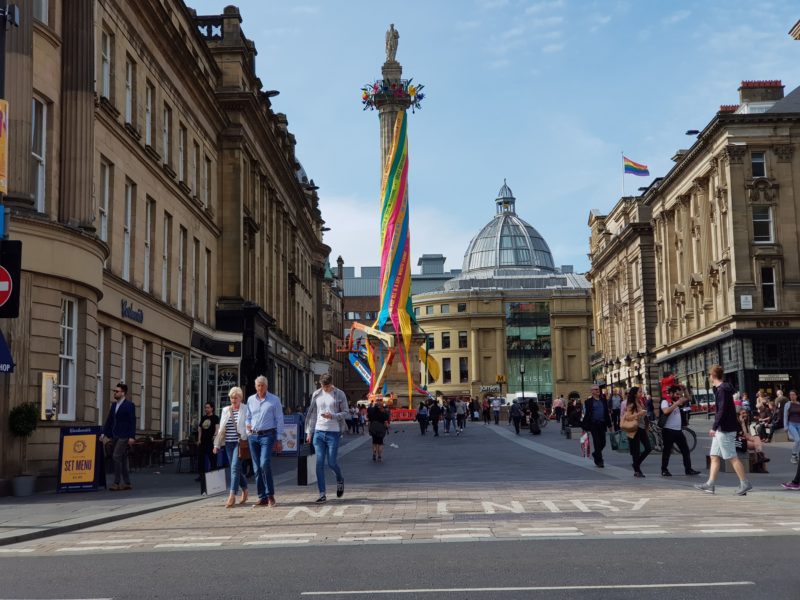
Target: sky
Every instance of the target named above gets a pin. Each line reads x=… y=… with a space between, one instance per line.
x=544 y=93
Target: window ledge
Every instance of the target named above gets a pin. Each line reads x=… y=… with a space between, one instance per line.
x=168 y=170
x=133 y=131
x=106 y=105
x=152 y=152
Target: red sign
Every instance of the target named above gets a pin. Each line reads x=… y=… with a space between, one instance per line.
x=6 y=286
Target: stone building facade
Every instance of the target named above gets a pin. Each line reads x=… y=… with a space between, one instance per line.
x=622 y=274
x=726 y=254
x=171 y=239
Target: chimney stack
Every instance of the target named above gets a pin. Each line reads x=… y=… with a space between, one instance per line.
x=760 y=91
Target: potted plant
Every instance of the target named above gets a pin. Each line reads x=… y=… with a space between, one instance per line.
x=22 y=420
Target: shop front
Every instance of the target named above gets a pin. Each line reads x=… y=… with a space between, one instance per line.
x=291 y=377
x=753 y=360
x=213 y=371
x=528 y=348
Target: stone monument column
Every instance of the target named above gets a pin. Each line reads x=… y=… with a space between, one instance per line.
x=388 y=104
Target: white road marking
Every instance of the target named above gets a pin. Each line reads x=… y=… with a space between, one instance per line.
x=721 y=525
x=632 y=526
x=464 y=529
x=387 y=538
x=277 y=541
x=727 y=530
x=11 y=550
x=790 y=523
x=549 y=534
x=795 y=528
x=547 y=529
x=287 y=535
x=376 y=532
x=201 y=538
x=462 y=536
x=634 y=532
x=90 y=548
x=553 y=588
x=190 y=545
x=119 y=541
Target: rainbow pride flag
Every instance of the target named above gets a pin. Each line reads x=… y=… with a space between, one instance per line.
x=634 y=168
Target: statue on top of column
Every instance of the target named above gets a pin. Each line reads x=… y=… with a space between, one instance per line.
x=392 y=36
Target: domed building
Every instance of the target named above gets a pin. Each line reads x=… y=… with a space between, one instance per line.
x=511 y=321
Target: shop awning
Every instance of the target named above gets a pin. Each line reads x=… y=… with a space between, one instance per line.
x=6 y=361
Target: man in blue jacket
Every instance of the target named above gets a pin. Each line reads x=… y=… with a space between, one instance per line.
x=120 y=428
x=596 y=421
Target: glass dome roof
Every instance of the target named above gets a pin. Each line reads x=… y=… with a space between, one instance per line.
x=507 y=243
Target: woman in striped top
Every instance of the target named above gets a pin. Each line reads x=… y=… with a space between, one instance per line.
x=231 y=430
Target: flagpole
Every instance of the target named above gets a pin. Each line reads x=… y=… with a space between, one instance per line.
x=622 y=154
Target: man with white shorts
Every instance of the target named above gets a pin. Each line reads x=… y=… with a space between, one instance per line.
x=723 y=433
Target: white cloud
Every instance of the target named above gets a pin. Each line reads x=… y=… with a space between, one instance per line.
x=513 y=33
x=543 y=22
x=553 y=48
x=500 y=63
x=599 y=21
x=676 y=17
x=355 y=234
x=467 y=25
x=492 y=4
x=539 y=7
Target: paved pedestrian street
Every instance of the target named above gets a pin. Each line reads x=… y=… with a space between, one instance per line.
x=514 y=488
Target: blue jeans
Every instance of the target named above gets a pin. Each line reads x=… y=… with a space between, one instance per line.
x=237 y=477
x=260 y=450
x=794 y=433
x=326 y=445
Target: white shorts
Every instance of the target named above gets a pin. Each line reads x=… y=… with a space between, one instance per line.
x=722 y=444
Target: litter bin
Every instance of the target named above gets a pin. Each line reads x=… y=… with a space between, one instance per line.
x=306 y=465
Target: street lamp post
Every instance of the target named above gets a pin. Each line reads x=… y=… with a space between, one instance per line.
x=522 y=376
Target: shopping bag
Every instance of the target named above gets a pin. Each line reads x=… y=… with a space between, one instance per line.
x=624 y=442
x=585 y=445
x=613 y=439
x=215 y=482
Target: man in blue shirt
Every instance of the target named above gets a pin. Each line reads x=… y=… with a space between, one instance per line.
x=264 y=424
x=120 y=428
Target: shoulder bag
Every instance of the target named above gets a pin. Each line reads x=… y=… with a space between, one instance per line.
x=629 y=424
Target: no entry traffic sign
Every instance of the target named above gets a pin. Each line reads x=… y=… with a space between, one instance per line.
x=10 y=262
x=6 y=286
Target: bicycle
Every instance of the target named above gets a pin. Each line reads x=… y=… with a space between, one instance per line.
x=658 y=439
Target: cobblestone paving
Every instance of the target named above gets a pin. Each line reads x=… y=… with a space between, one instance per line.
x=459 y=509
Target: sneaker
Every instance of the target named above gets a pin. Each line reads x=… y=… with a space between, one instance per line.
x=115 y=488
x=321 y=499
x=271 y=501
x=744 y=487
x=339 y=489
x=638 y=474
x=794 y=459
x=692 y=472
x=790 y=485
x=127 y=486
x=705 y=487
x=665 y=473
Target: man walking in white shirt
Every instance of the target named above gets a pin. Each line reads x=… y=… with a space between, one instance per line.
x=324 y=426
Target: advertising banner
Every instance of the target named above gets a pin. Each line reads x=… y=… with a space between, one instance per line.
x=80 y=460
x=292 y=434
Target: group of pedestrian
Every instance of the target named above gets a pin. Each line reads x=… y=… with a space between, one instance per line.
x=453 y=411
x=600 y=417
